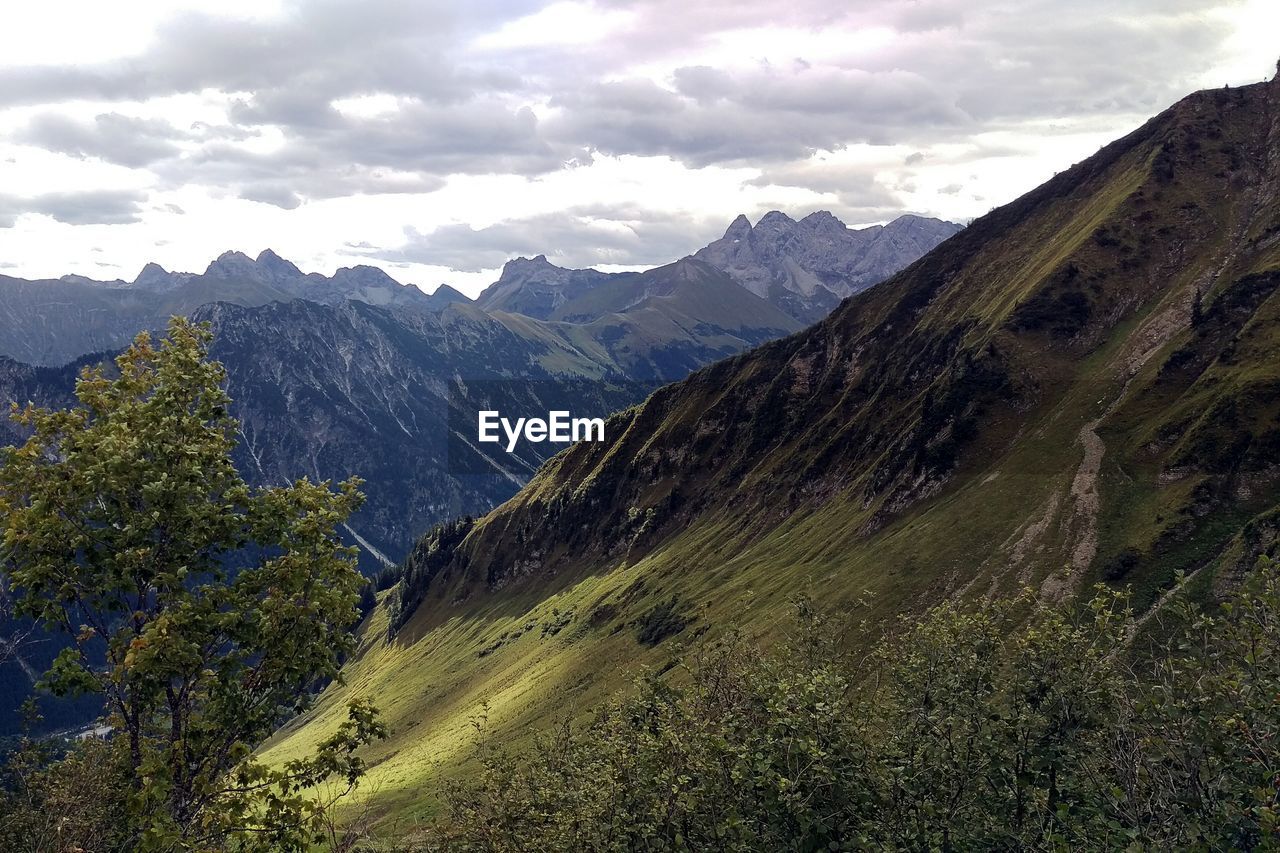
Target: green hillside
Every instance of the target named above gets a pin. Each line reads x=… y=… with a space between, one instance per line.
x=1082 y=385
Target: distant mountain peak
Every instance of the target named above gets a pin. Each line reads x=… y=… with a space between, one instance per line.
x=151 y=273
x=739 y=228
x=277 y=267
x=450 y=292
x=365 y=274
x=72 y=278
x=775 y=218
x=823 y=221
x=806 y=267
x=691 y=268
x=522 y=267
x=232 y=264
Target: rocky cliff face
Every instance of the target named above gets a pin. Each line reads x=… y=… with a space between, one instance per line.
x=806 y=267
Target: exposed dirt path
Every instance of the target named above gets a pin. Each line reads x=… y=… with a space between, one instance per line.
x=1086 y=501
x=1084 y=492
x=1030 y=534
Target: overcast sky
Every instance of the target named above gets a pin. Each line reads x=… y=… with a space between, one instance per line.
x=439 y=139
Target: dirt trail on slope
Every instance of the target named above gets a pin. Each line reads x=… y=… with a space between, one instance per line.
x=1084 y=489
x=1085 y=498
x=1030 y=534
x=1083 y=521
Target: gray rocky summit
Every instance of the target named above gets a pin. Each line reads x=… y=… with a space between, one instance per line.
x=806 y=267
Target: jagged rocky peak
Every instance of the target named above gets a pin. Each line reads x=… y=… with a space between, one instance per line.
x=269 y=267
x=364 y=275
x=739 y=229
x=268 y=261
x=151 y=272
x=823 y=217
x=523 y=267
x=824 y=222
x=775 y=220
x=232 y=264
x=156 y=278
x=806 y=267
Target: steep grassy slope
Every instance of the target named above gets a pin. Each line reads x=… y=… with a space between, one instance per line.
x=1084 y=384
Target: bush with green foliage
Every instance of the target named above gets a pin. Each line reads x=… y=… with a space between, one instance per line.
x=57 y=800
x=200 y=609
x=1006 y=726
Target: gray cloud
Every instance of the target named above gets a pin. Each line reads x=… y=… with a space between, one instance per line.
x=951 y=70
x=407 y=151
x=285 y=177
x=115 y=138
x=763 y=116
x=855 y=186
x=90 y=207
x=951 y=64
x=318 y=49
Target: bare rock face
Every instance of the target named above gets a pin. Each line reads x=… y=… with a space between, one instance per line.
x=806 y=267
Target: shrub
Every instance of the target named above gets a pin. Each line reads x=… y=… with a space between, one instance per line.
x=1008 y=726
x=664 y=620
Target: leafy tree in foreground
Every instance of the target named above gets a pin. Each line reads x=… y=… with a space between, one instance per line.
x=122 y=516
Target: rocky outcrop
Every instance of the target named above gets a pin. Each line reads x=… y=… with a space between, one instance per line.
x=806 y=267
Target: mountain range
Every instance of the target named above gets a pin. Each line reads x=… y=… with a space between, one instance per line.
x=358 y=374
x=1081 y=387
x=802 y=267
x=350 y=373
x=806 y=267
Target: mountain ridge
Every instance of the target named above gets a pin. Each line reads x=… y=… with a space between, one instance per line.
x=807 y=266
x=55 y=321
x=1082 y=386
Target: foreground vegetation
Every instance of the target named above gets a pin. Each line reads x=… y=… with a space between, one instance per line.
x=967 y=729
x=203 y=613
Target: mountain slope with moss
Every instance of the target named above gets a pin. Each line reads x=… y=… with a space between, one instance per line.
x=1083 y=385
